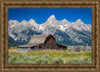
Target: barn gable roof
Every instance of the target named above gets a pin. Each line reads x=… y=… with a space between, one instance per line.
x=38 y=39
x=27 y=45
x=35 y=40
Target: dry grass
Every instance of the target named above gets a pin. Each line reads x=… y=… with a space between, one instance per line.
x=12 y=50
x=46 y=51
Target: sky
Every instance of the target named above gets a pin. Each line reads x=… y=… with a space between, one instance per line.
x=40 y=15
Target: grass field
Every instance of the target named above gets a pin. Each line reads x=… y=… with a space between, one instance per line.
x=49 y=57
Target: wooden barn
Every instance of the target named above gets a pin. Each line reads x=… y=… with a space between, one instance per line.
x=41 y=42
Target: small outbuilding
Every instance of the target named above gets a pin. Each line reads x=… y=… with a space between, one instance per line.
x=41 y=42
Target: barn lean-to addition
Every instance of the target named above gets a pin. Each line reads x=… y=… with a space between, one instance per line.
x=41 y=42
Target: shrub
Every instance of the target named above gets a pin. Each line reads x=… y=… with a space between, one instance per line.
x=10 y=59
x=57 y=61
x=37 y=59
x=87 y=60
x=17 y=58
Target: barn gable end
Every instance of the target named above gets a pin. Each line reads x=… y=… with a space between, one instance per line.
x=50 y=42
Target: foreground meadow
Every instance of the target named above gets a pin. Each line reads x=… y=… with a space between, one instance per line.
x=49 y=57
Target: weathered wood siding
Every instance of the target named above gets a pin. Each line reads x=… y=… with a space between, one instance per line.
x=61 y=47
x=50 y=43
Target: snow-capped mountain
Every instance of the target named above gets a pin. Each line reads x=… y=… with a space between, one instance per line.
x=65 y=32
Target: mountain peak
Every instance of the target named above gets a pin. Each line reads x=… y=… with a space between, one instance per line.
x=64 y=20
x=13 y=21
x=31 y=21
x=24 y=21
x=52 y=16
x=79 y=20
x=51 y=19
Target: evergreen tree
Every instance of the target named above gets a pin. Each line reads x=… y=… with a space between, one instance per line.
x=9 y=45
